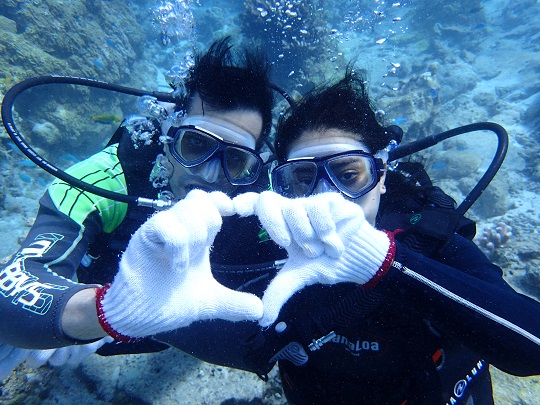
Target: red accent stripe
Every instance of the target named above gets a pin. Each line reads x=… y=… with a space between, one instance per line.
x=436 y=356
x=100 y=294
x=385 y=264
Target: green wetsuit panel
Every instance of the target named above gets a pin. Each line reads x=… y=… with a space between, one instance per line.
x=101 y=170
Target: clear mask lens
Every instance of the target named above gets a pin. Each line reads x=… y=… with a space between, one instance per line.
x=193 y=147
x=352 y=174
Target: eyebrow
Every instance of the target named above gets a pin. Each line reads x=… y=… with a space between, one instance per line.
x=341 y=163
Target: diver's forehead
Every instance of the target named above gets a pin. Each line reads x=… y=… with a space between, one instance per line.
x=326 y=142
x=247 y=119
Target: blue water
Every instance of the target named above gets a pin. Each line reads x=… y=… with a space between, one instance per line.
x=430 y=66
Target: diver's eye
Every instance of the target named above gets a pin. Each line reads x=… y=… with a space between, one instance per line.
x=303 y=177
x=348 y=176
x=193 y=145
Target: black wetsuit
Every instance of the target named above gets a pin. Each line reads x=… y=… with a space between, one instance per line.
x=425 y=334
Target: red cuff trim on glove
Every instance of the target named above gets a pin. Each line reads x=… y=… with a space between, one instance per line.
x=385 y=264
x=100 y=294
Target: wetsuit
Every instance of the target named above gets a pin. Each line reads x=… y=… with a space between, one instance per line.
x=424 y=335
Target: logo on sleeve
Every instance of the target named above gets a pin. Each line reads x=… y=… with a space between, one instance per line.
x=24 y=288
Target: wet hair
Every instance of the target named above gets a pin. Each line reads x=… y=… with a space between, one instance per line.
x=228 y=81
x=344 y=105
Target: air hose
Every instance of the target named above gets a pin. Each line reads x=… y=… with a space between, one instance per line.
x=429 y=141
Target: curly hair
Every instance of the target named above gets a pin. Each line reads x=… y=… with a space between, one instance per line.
x=344 y=105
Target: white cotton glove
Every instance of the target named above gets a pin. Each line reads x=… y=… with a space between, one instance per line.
x=328 y=241
x=165 y=281
x=10 y=358
x=304 y=221
x=72 y=355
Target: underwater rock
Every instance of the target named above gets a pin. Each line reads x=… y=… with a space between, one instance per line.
x=531 y=279
x=417 y=103
x=7 y=25
x=490 y=102
x=531 y=116
x=45 y=132
x=51 y=37
x=458 y=78
x=495 y=200
x=448 y=18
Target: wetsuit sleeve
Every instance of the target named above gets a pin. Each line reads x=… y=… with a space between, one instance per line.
x=40 y=279
x=464 y=296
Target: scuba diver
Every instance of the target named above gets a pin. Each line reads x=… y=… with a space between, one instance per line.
x=400 y=316
x=48 y=289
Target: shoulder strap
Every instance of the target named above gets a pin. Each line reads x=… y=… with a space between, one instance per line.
x=425 y=213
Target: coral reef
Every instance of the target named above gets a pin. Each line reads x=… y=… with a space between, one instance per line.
x=99 y=40
x=494 y=236
x=46 y=131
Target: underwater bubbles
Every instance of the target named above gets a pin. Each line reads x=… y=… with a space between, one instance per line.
x=174 y=20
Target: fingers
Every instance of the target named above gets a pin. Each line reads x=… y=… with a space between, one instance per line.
x=220 y=200
x=309 y=222
x=286 y=283
x=325 y=228
x=5 y=350
x=62 y=355
x=193 y=220
x=199 y=216
x=342 y=209
x=286 y=220
x=302 y=228
x=244 y=204
x=224 y=303
x=269 y=209
x=37 y=358
x=74 y=355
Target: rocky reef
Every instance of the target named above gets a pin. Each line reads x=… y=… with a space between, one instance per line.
x=93 y=39
x=89 y=39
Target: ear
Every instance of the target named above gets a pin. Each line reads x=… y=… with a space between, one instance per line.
x=381 y=185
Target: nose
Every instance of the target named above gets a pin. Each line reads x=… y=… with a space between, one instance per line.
x=323 y=186
x=209 y=171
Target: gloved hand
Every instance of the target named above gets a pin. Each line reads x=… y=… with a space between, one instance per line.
x=73 y=355
x=165 y=281
x=328 y=241
x=304 y=221
x=10 y=358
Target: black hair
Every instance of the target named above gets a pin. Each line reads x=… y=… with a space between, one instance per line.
x=344 y=105
x=227 y=81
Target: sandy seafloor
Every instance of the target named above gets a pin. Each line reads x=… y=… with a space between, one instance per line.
x=458 y=63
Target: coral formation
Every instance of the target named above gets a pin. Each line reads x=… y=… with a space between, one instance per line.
x=494 y=236
x=47 y=131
